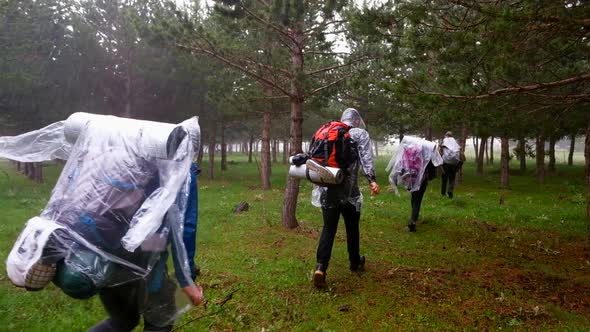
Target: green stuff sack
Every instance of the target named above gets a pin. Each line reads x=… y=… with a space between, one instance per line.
x=82 y=274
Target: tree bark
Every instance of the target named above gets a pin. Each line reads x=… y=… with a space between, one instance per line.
x=480 y=155
x=570 y=157
x=211 y=151
x=492 y=150
x=128 y=112
x=475 y=141
x=522 y=155
x=376 y=145
x=463 y=145
x=505 y=163
x=551 y=165
x=265 y=154
x=540 y=154
x=223 y=147
x=428 y=133
x=285 y=151
x=251 y=145
x=275 y=148
x=296 y=100
x=587 y=162
x=292 y=191
x=200 y=155
x=38 y=176
x=486 y=143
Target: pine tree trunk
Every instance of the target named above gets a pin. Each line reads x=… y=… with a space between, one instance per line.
x=38 y=172
x=265 y=154
x=200 y=154
x=292 y=191
x=251 y=145
x=492 y=150
x=475 y=141
x=27 y=169
x=486 y=152
x=376 y=145
x=480 y=154
x=275 y=147
x=587 y=162
x=211 y=151
x=428 y=133
x=522 y=155
x=463 y=145
x=288 y=216
x=570 y=157
x=540 y=154
x=551 y=165
x=223 y=147
x=128 y=112
x=505 y=163
x=285 y=152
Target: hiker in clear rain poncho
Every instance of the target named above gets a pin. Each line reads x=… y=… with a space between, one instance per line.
x=412 y=167
x=345 y=199
x=452 y=162
x=124 y=203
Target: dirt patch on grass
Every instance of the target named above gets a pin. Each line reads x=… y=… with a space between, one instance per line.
x=569 y=293
x=490 y=294
x=306 y=229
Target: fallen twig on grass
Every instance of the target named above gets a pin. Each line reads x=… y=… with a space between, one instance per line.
x=221 y=303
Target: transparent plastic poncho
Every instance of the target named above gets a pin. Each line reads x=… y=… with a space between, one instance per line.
x=451 y=151
x=116 y=211
x=406 y=168
x=350 y=191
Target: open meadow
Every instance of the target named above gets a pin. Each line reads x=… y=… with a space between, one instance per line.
x=490 y=259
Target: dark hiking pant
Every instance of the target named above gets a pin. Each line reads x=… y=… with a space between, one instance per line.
x=417 y=201
x=351 y=222
x=126 y=303
x=448 y=175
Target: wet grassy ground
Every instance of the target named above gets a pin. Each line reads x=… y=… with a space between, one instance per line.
x=488 y=259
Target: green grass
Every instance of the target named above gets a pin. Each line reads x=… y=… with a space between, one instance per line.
x=489 y=259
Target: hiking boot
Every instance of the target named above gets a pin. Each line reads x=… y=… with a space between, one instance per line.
x=450 y=194
x=319 y=279
x=412 y=227
x=39 y=275
x=360 y=266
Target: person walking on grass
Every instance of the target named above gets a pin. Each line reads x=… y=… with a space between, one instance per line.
x=452 y=162
x=412 y=167
x=345 y=199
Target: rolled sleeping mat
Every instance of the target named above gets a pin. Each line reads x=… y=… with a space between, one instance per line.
x=317 y=173
x=157 y=139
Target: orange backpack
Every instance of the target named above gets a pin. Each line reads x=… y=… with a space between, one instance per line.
x=332 y=145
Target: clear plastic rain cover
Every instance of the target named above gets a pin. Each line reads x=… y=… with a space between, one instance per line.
x=408 y=165
x=116 y=212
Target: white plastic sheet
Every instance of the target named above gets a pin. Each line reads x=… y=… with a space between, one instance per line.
x=44 y=144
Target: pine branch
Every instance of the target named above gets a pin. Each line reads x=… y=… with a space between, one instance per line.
x=518 y=89
x=232 y=63
x=328 y=85
x=270 y=25
x=323 y=70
